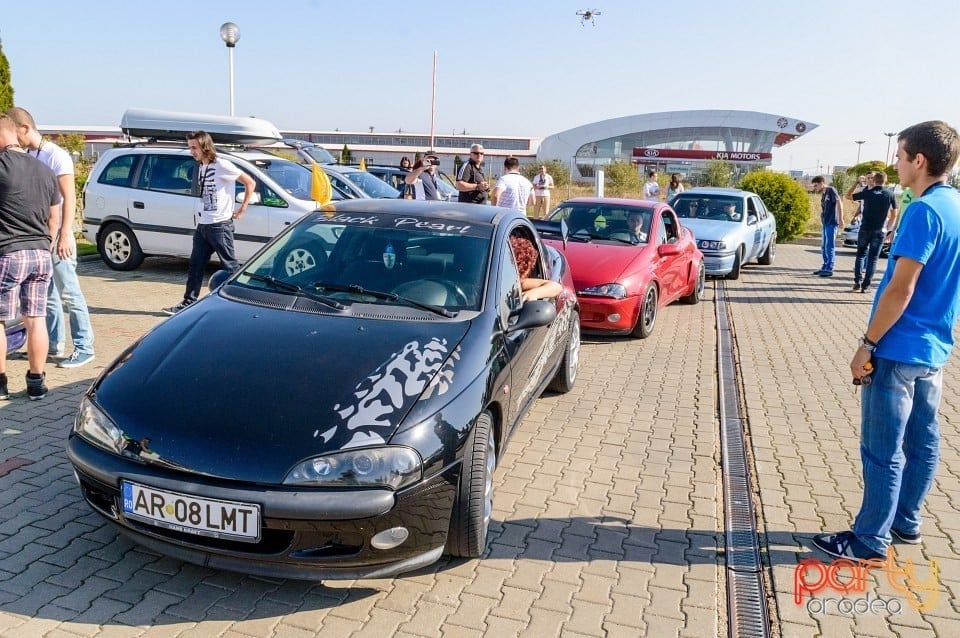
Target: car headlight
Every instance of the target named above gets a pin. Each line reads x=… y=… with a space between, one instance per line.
x=95 y=426
x=616 y=291
x=391 y=466
x=712 y=244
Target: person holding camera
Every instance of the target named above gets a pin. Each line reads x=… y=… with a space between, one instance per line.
x=878 y=214
x=471 y=183
x=423 y=178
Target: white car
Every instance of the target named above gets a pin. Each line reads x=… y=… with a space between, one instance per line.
x=732 y=227
x=141 y=199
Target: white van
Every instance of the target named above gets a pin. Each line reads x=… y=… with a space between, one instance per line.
x=141 y=199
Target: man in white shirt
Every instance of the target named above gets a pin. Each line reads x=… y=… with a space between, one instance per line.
x=651 y=189
x=542 y=183
x=215 y=214
x=64 y=289
x=513 y=190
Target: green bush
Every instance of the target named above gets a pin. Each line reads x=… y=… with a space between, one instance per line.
x=784 y=197
x=719 y=174
x=621 y=178
x=559 y=171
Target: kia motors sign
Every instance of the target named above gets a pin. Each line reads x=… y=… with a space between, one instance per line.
x=681 y=154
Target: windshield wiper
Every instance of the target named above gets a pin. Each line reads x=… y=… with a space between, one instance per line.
x=386 y=296
x=295 y=289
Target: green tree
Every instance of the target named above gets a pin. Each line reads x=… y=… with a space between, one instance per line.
x=621 y=178
x=866 y=167
x=784 y=197
x=719 y=173
x=457 y=163
x=71 y=142
x=559 y=171
x=841 y=181
x=6 y=86
x=345 y=155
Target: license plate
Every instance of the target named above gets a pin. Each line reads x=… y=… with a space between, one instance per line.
x=192 y=514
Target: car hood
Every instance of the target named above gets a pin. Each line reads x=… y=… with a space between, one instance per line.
x=593 y=264
x=245 y=392
x=712 y=229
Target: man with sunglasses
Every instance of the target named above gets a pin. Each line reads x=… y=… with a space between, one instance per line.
x=471 y=183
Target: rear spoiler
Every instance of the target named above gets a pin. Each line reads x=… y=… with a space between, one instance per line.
x=552 y=230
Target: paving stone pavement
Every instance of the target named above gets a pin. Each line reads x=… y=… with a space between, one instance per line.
x=607 y=514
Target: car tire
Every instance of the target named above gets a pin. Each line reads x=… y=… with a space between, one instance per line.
x=119 y=248
x=473 y=506
x=647 y=317
x=567 y=373
x=766 y=259
x=737 y=264
x=697 y=293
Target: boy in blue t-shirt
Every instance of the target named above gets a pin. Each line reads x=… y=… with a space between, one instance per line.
x=901 y=355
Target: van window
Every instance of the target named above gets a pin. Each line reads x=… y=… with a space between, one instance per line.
x=118 y=171
x=167 y=173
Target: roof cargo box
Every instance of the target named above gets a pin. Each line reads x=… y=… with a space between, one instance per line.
x=172 y=125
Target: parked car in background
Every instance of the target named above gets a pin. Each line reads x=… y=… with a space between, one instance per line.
x=394 y=176
x=359 y=184
x=408 y=359
x=852 y=230
x=733 y=227
x=623 y=279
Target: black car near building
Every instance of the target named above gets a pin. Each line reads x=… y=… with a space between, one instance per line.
x=337 y=407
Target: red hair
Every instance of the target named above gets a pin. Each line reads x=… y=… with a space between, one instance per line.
x=525 y=253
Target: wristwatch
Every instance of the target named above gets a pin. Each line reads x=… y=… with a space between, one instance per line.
x=867 y=345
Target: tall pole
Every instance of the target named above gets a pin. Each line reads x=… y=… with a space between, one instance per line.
x=230 y=34
x=433 y=101
x=889 y=138
x=859 y=144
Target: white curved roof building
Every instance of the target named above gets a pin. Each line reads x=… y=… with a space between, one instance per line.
x=675 y=138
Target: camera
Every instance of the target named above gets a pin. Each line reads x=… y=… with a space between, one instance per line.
x=427 y=162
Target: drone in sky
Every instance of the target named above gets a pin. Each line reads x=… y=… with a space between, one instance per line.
x=588 y=14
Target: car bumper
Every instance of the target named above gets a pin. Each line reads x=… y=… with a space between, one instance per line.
x=605 y=314
x=305 y=534
x=718 y=263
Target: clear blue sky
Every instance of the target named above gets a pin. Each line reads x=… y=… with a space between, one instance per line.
x=858 y=69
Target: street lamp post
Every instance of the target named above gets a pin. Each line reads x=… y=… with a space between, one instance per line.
x=230 y=34
x=859 y=144
x=889 y=138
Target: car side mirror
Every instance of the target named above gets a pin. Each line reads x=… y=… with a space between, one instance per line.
x=534 y=314
x=665 y=250
x=218 y=278
x=751 y=219
x=254 y=198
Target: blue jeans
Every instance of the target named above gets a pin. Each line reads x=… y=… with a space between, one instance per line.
x=899 y=448
x=65 y=291
x=828 y=248
x=868 y=249
x=209 y=239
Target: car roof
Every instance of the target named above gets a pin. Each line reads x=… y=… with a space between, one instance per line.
x=247 y=154
x=716 y=190
x=614 y=201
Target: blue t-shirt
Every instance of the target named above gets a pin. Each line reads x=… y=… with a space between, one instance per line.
x=828 y=206
x=929 y=234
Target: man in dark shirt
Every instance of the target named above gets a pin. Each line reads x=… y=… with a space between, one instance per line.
x=879 y=215
x=471 y=183
x=29 y=218
x=831 y=216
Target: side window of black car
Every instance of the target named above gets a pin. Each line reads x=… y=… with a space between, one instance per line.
x=510 y=296
x=118 y=171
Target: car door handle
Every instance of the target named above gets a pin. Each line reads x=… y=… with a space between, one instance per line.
x=138 y=204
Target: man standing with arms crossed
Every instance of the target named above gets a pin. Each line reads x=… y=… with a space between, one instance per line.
x=471 y=183
x=831 y=216
x=64 y=289
x=29 y=217
x=900 y=359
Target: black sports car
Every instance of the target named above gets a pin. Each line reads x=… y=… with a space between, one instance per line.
x=337 y=407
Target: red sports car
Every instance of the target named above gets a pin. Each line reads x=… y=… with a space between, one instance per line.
x=628 y=258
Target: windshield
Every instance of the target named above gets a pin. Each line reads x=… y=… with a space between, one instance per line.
x=372 y=185
x=293 y=178
x=725 y=208
x=605 y=221
x=318 y=154
x=352 y=258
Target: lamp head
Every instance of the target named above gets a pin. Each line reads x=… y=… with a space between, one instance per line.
x=230 y=34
